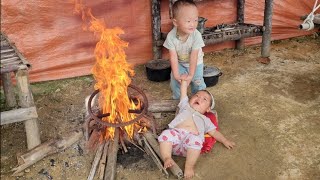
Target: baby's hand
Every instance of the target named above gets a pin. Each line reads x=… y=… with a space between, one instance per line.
x=184 y=76
x=229 y=144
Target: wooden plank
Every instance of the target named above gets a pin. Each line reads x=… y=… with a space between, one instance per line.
x=18 y=115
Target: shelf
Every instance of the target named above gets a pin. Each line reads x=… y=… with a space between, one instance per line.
x=225 y=32
x=220 y=33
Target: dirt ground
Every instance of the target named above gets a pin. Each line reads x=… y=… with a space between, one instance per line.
x=270 y=111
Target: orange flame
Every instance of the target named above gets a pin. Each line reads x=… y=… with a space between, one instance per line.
x=111 y=72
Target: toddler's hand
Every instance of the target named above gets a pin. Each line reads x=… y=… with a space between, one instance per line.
x=184 y=76
x=229 y=144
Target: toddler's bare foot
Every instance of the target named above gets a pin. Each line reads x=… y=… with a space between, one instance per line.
x=188 y=172
x=168 y=162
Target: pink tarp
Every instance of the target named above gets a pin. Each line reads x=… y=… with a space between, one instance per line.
x=49 y=34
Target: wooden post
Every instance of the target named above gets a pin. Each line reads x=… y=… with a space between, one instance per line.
x=267 y=23
x=240 y=19
x=8 y=89
x=25 y=101
x=156 y=28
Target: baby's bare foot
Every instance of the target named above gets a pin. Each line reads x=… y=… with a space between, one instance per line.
x=168 y=162
x=188 y=172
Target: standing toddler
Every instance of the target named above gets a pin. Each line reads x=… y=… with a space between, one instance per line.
x=185 y=43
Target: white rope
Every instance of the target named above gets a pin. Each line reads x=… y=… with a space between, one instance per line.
x=314 y=6
x=308 y=22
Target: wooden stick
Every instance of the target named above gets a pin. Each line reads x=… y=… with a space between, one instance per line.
x=110 y=173
x=96 y=161
x=102 y=165
x=155 y=158
x=139 y=140
x=175 y=169
x=123 y=145
x=46 y=149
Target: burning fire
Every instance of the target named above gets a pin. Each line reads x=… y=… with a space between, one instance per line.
x=111 y=71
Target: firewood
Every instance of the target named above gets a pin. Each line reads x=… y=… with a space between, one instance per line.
x=123 y=145
x=96 y=161
x=110 y=173
x=45 y=149
x=175 y=169
x=154 y=157
x=102 y=164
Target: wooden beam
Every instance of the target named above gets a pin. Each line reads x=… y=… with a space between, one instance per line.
x=166 y=105
x=18 y=115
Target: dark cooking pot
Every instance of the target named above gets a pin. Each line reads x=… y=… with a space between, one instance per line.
x=211 y=75
x=158 y=70
x=201 y=22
